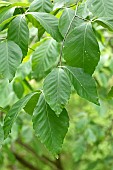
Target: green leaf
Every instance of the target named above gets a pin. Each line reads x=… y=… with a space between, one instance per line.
x=102 y=8
x=24 y=70
x=81 y=48
x=45 y=56
x=36 y=24
x=18 y=88
x=61 y=3
x=41 y=6
x=110 y=94
x=83 y=83
x=19 y=33
x=49 y=22
x=14 y=111
x=50 y=129
x=41 y=31
x=3 y=3
x=20 y=4
x=4 y=23
x=5 y=13
x=65 y=20
x=1 y=136
x=106 y=22
x=58 y=4
x=3 y=110
x=10 y=59
x=29 y=108
x=79 y=148
x=83 y=10
x=57 y=89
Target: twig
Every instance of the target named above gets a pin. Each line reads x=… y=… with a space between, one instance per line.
x=24 y=162
x=59 y=163
x=44 y=159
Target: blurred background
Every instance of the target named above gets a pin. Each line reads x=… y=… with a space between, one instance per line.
x=89 y=142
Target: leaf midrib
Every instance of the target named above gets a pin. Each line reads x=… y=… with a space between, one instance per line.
x=84 y=46
x=76 y=79
x=18 y=35
x=7 y=58
x=47 y=114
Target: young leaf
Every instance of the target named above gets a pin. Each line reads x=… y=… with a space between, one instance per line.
x=1 y=136
x=19 y=33
x=48 y=127
x=14 y=111
x=57 y=89
x=49 y=22
x=83 y=83
x=102 y=8
x=41 y=6
x=81 y=48
x=10 y=58
x=45 y=56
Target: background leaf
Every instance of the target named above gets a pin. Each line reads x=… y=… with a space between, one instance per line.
x=110 y=94
x=30 y=106
x=1 y=136
x=18 y=88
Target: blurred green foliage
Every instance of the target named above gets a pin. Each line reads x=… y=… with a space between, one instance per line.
x=89 y=142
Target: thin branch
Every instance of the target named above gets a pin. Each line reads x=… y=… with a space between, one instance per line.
x=44 y=159
x=24 y=162
x=59 y=163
